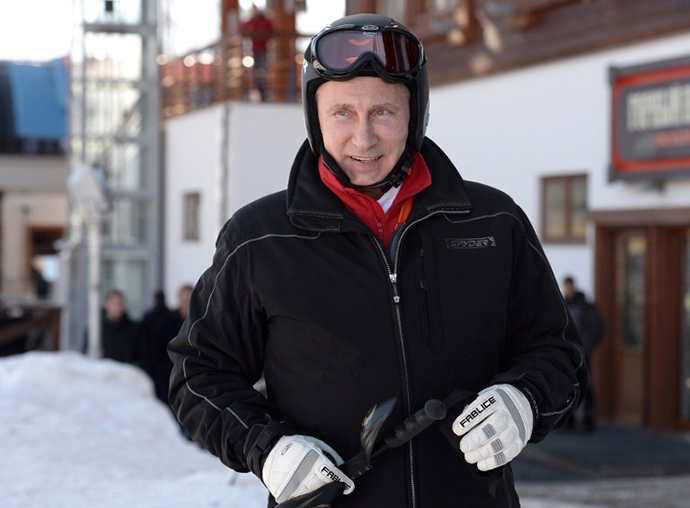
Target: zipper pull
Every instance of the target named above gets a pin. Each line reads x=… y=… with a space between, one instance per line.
x=394 y=283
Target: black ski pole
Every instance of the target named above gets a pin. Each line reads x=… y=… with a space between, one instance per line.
x=433 y=411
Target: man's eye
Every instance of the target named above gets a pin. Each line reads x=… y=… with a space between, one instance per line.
x=382 y=112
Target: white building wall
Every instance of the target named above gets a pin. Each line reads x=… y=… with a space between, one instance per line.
x=512 y=129
x=40 y=173
x=193 y=161
x=263 y=140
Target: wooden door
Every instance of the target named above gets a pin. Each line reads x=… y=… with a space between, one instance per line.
x=629 y=327
x=684 y=384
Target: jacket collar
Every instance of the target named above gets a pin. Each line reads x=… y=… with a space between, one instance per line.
x=311 y=205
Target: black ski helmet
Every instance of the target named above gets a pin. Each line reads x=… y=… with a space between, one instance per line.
x=398 y=58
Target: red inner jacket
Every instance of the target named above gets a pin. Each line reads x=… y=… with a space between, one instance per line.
x=369 y=211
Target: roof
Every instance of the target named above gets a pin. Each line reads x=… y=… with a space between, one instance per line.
x=33 y=102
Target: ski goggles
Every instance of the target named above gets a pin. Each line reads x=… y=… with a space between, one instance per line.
x=340 y=53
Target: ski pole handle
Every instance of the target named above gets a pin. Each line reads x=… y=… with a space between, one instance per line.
x=434 y=410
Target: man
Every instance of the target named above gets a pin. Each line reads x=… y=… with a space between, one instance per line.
x=122 y=337
x=378 y=273
x=590 y=326
x=158 y=310
x=259 y=27
x=162 y=332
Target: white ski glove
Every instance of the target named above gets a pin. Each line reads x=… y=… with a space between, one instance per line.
x=300 y=464
x=498 y=424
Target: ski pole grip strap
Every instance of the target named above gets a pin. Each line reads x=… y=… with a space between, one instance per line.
x=455 y=403
x=433 y=411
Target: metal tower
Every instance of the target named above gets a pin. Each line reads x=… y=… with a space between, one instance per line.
x=115 y=129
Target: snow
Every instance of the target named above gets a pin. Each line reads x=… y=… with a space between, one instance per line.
x=78 y=432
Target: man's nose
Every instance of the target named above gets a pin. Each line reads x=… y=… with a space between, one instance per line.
x=364 y=136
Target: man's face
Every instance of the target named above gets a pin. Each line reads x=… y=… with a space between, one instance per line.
x=114 y=307
x=184 y=296
x=364 y=123
x=569 y=289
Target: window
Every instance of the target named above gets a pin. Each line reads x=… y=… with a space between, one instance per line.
x=564 y=209
x=190 y=216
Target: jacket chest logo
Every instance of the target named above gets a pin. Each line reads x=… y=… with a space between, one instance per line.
x=470 y=243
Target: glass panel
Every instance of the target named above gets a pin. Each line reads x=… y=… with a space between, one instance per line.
x=554 y=194
x=129 y=275
x=124 y=167
x=578 y=189
x=113 y=56
x=685 y=333
x=125 y=225
x=75 y=105
x=95 y=151
x=112 y=108
x=631 y=289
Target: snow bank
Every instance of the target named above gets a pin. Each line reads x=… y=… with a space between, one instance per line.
x=80 y=432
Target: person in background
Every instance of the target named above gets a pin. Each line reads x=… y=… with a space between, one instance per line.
x=122 y=338
x=259 y=27
x=590 y=325
x=163 y=331
x=155 y=313
x=152 y=316
x=379 y=272
x=41 y=285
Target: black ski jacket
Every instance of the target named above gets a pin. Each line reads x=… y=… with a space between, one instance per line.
x=302 y=292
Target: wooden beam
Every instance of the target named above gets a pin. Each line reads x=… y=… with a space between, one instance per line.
x=537 y=5
x=569 y=30
x=601 y=373
x=641 y=217
x=284 y=17
x=229 y=16
x=357 y=6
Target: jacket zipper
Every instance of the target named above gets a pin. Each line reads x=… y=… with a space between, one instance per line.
x=393 y=277
x=394 y=248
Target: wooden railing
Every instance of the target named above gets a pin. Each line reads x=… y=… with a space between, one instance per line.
x=224 y=71
x=29 y=326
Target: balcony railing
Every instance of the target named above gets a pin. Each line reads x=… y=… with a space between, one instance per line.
x=225 y=71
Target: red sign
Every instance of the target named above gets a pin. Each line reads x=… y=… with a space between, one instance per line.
x=650 y=121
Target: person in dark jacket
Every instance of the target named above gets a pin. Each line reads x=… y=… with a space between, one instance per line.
x=259 y=27
x=121 y=336
x=378 y=273
x=152 y=316
x=591 y=328
x=163 y=331
x=158 y=310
